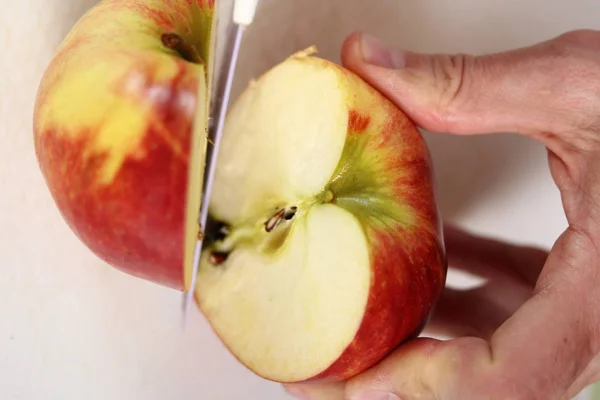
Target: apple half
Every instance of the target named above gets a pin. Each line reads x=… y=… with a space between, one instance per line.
x=324 y=249
x=120 y=132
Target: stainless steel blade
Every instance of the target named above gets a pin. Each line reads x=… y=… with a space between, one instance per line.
x=228 y=46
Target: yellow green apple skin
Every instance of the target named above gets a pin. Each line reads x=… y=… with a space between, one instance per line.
x=357 y=265
x=113 y=130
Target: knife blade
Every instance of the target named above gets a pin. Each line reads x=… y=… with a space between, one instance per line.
x=228 y=42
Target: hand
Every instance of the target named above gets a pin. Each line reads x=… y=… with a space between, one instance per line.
x=533 y=332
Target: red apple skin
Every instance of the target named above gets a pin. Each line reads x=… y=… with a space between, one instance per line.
x=409 y=265
x=402 y=296
x=113 y=122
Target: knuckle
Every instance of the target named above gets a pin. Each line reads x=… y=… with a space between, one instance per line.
x=473 y=357
x=449 y=72
x=505 y=384
x=578 y=38
x=573 y=59
x=575 y=52
x=578 y=45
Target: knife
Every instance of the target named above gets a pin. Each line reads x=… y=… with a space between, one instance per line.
x=227 y=43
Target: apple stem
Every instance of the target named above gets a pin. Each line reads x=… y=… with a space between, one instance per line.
x=326 y=196
x=175 y=42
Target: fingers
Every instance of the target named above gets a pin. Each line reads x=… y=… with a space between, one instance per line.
x=548 y=87
x=477 y=312
x=538 y=352
x=317 y=391
x=423 y=369
x=541 y=349
x=480 y=311
x=486 y=257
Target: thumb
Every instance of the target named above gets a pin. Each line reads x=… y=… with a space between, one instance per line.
x=532 y=90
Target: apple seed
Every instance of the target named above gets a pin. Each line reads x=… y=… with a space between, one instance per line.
x=289 y=214
x=218 y=257
x=223 y=230
x=216 y=231
x=274 y=220
x=175 y=42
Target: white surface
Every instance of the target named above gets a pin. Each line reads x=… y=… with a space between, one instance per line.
x=71 y=328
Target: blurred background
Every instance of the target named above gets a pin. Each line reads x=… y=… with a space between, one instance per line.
x=71 y=328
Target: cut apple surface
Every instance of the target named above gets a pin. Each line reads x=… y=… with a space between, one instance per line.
x=324 y=251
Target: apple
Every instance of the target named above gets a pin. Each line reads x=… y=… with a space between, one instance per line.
x=324 y=250
x=120 y=132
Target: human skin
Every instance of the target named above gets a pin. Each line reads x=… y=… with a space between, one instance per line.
x=533 y=331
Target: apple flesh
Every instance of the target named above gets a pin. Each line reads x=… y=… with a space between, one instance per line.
x=120 y=130
x=325 y=250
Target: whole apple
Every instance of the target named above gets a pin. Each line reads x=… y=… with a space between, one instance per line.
x=324 y=249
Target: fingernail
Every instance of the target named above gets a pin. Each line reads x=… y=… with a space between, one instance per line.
x=376 y=53
x=297 y=393
x=375 y=396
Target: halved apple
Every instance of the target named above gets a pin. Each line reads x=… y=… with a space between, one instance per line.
x=325 y=248
x=120 y=129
